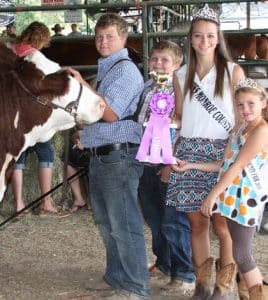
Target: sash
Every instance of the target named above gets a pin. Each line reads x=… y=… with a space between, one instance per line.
x=215 y=113
x=255 y=174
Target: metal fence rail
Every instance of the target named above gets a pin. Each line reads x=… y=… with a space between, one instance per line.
x=146 y=34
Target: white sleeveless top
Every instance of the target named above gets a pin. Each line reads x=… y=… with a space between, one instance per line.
x=196 y=121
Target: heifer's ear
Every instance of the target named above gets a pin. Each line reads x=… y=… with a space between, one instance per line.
x=54 y=85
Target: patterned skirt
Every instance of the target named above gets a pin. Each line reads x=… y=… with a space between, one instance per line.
x=186 y=190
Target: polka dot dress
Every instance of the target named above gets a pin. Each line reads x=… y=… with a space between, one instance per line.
x=241 y=202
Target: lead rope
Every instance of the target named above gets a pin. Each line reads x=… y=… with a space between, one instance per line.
x=37 y=201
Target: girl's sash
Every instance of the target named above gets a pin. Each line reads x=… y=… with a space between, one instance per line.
x=255 y=174
x=216 y=114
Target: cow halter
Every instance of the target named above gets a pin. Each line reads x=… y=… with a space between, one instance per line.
x=70 y=108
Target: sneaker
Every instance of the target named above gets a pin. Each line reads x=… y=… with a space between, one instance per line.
x=122 y=295
x=100 y=285
x=265 y=227
x=156 y=273
x=180 y=287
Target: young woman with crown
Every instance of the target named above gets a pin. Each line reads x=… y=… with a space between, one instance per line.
x=204 y=99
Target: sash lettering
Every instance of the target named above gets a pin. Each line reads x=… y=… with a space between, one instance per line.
x=251 y=169
x=211 y=108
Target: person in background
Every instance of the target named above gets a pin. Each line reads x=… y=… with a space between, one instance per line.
x=171 y=245
x=11 y=30
x=204 y=95
x=74 y=31
x=78 y=159
x=240 y=194
x=8 y=35
x=28 y=45
x=58 y=30
x=114 y=171
x=265 y=225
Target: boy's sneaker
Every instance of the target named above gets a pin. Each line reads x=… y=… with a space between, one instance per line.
x=100 y=285
x=122 y=295
x=179 y=287
x=265 y=227
x=154 y=272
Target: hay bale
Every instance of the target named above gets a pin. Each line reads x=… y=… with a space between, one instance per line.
x=31 y=189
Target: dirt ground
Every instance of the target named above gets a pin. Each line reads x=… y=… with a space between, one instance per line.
x=58 y=257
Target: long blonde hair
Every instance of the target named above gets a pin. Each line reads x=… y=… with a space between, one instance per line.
x=221 y=59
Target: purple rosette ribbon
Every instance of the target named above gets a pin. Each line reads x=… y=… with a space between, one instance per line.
x=156 y=145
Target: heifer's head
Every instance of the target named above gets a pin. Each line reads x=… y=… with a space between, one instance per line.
x=34 y=106
x=61 y=91
x=81 y=103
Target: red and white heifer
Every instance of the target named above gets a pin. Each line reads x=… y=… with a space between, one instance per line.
x=248 y=46
x=34 y=106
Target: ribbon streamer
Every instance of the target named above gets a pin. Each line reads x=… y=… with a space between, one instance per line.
x=156 y=145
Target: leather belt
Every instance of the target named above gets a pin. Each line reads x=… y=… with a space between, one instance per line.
x=105 y=150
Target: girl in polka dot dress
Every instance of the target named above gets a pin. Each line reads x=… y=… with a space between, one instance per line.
x=240 y=194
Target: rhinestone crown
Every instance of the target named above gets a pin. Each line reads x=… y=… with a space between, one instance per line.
x=246 y=83
x=206 y=13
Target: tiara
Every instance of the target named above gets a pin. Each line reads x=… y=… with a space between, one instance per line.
x=206 y=13
x=246 y=83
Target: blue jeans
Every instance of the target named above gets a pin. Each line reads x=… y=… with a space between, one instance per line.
x=177 y=231
x=114 y=180
x=171 y=233
x=44 y=152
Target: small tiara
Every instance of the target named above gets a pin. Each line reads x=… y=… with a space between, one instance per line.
x=246 y=83
x=206 y=13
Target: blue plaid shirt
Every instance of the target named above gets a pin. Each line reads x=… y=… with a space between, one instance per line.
x=121 y=87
